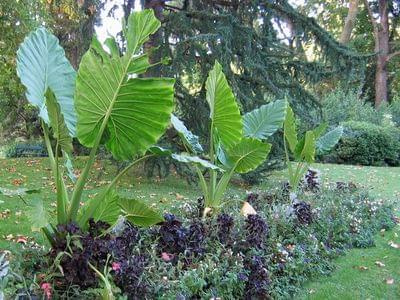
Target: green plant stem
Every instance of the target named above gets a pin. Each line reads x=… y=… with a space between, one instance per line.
x=62 y=195
x=289 y=164
x=213 y=173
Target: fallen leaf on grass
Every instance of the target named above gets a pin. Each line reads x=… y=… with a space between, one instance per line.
x=179 y=196
x=394 y=245
x=247 y=209
x=379 y=264
x=361 y=268
x=389 y=281
x=17 y=181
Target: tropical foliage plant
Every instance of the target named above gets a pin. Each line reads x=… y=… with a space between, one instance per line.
x=236 y=144
x=105 y=102
x=304 y=149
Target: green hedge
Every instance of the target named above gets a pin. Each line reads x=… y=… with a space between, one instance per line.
x=367 y=144
x=26 y=149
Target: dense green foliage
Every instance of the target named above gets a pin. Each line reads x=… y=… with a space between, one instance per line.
x=257 y=58
x=342 y=106
x=368 y=144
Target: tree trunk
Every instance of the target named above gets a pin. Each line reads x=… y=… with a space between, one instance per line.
x=349 y=22
x=154 y=56
x=381 y=36
x=382 y=49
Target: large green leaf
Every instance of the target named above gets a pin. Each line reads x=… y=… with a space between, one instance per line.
x=305 y=148
x=248 y=154
x=108 y=210
x=264 y=121
x=329 y=140
x=57 y=123
x=139 y=213
x=320 y=129
x=104 y=206
x=224 y=111
x=41 y=64
x=38 y=215
x=190 y=140
x=185 y=158
x=289 y=127
x=134 y=112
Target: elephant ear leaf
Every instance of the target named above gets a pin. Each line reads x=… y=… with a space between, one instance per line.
x=248 y=154
x=224 y=111
x=305 y=148
x=139 y=213
x=320 y=130
x=133 y=112
x=104 y=206
x=184 y=158
x=326 y=142
x=190 y=140
x=41 y=64
x=289 y=127
x=38 y=215
x=264 y=121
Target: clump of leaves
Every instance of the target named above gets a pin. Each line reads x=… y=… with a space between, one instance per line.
x=128 y=276
x=225 y=225
x=174 y=238
x=304 y=149
x=257 y=231
x=312 y=180
x=303 y=212
x=236 y=143
x=258 y=282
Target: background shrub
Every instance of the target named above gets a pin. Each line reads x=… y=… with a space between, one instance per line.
x=26 y=149
x=367 y=144
x=339 y=106
x=395 y=111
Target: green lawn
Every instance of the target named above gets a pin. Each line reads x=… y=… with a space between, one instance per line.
x=171 y=193
x=357 y=276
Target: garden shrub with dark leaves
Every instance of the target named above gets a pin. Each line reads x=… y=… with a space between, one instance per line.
x=262 y=256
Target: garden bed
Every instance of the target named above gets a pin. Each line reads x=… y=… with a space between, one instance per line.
x=228 y=256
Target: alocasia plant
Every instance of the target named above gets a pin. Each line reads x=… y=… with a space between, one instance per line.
x=303 y=150
x=105 y=102
x=236 y=143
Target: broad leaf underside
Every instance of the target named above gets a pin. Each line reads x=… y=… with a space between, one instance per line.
x=41 y=64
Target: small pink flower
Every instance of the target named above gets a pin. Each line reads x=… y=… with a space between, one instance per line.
x=167 y=256
x=116 y=266
x=46 y=287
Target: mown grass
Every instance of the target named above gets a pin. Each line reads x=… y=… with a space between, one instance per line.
x=170 y=194
x=357 y=276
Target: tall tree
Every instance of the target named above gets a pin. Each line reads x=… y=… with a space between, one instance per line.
x=73 y=23
x=17 y=19
x=260 y=61
x=384 y=54
x=350 y=21
x=375 y=32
